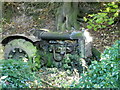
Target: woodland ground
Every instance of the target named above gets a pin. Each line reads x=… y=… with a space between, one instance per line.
x=60 y=78
x=52 y=76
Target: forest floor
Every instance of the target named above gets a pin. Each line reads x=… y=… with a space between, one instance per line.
x=59 y=78
x=103 y=39
x=54 y=77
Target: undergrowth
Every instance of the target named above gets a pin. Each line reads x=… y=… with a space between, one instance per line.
x=101 y=74
x=104 y=73
x=17 y=74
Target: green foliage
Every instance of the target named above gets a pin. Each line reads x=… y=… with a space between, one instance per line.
x=66 y=62
x=18 y=74
x=70 y=60
x=103 y=18
x=103 y=74
x=36 y=62
x=112 y=53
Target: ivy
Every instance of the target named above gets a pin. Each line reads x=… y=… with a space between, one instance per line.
x=105 y=73
x=17 y=74
x=103 y=18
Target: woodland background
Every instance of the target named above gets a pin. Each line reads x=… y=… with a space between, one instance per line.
x=101 y=18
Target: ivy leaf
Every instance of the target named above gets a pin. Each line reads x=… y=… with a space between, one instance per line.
x=99 y=26
x=111 y=21
x=91 y=15
x=85 y=19
x=113 y=10
x=103 y=26
x=108 y=9
x=116 y=14
x=95 y=29
x=89 y=27
x=115 y=6
x=99 y=20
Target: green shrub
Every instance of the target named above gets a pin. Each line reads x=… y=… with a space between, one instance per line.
x=105 y=73
x=104 y=18
x=18 y=74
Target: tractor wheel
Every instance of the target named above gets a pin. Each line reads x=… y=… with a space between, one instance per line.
x=20 y=49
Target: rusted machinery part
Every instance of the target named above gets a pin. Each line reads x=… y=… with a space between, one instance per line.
x=29 y=38
x=58 y=35
x=37 y=35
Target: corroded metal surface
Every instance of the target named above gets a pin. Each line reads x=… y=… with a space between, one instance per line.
x=19 y=36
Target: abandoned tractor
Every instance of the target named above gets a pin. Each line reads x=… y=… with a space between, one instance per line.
x=50 y=48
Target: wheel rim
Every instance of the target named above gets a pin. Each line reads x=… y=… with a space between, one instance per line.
x=18 y=54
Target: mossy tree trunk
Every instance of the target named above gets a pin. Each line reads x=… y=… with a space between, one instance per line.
x=66 y=16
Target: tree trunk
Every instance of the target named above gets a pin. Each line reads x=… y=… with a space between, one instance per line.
x=66 y=16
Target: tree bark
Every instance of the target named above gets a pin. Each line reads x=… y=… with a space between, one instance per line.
x=66 y=16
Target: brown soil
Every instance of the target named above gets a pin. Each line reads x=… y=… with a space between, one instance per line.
x=104 y=38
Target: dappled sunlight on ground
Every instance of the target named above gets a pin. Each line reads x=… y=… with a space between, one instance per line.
x=58 y=78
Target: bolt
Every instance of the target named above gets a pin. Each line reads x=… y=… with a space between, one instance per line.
x=20 y=50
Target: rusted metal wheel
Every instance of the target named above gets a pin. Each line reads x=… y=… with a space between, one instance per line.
x=20 y=49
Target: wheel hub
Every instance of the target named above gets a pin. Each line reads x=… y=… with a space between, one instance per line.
x=17 y=54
